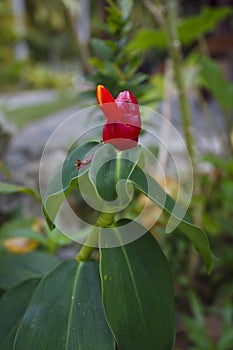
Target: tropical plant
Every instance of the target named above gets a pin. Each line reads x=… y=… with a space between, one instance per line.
x=124 y=294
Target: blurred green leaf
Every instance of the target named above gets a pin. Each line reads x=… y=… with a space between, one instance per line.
x=193 y=27
x=15 y=268
x=126 y=8
x=8 y=188
x=157 y=194
x=20 y=228
x=97 y=63
x=117 y=71
x=13 y=305
x=156 y=91
x=137 y=292
x=212 y=78
x=189 y=28
x=195 y=325
x=66 y=312
x=145 y=39
x=226 y=340
x=102 y=48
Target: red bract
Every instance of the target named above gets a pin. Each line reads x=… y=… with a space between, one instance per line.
x=123 y=123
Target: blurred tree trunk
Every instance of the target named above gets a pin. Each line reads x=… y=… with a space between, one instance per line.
x=21 y=48
x=83 y=33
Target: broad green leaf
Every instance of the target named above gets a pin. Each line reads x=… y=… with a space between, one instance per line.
x=156 y=193
x=137 y=292
x=110 y=169
x=13 y=305
x=15 y=268
x=8 y=188
x=66 y=312
x=145 y=39
x=65 y=180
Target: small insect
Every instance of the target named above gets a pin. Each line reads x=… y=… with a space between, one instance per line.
x=81 y=163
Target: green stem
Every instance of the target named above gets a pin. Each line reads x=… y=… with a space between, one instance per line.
x=104 y=220
x=170 y=25
x=166 y=15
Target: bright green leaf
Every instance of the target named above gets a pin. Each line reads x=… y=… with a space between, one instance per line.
x=137 y=292
x=66 y=312
x=146 y=39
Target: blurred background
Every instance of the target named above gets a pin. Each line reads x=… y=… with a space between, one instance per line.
x=177 y=58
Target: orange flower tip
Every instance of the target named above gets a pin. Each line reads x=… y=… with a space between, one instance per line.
x=99 y=94
x=103 y=95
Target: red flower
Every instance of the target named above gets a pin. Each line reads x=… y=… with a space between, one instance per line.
x=123 y=123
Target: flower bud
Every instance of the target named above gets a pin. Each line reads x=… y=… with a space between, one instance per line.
x=123 y=123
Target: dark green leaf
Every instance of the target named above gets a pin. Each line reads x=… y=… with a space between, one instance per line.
x=157 y=194
x=15 y=268
x=13 y=305
x=66 y=312
x=109 y=166
x=137 y=292
x=7 y=188
x=65 y=180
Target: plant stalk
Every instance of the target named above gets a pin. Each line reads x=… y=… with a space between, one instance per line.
x=168 y=10
x=104 y=220
x=174 y=46
x=170 y=26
